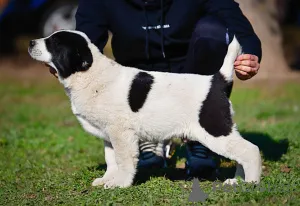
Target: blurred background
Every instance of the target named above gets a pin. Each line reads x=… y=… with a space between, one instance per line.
x=277 y=23
x=24 y=18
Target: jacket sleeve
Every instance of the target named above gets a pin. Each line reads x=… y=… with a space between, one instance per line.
x=91 y=19
x=237 y=24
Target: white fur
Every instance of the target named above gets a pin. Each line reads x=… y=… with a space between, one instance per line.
x=99 y=101
x=38 y=53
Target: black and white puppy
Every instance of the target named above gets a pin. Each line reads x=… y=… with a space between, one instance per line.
x=123 y=105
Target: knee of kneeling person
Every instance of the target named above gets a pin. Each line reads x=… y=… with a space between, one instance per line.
x=208 y=55
x=208 y=46
x=211 y=27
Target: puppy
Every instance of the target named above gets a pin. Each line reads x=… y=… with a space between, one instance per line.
x=123 y=105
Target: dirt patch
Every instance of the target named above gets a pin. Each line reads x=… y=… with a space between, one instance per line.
x=22 y=68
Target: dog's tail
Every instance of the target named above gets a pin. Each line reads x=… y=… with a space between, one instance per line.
x=234 y=49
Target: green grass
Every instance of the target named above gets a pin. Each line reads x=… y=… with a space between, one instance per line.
x=47 y=159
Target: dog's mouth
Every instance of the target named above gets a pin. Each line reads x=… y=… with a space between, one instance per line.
x=52 y=71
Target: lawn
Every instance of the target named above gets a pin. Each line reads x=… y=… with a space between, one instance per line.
x=47 y=159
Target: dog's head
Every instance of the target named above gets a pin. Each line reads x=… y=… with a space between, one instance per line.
x=67 y=52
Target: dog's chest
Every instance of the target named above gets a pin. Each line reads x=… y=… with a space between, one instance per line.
x=94 y=128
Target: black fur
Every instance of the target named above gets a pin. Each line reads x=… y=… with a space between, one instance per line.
x=140 y=87
x=228 y=89
x=70 y=53
x=215 y=116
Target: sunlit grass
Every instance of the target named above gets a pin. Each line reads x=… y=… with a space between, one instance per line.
x=47 y=159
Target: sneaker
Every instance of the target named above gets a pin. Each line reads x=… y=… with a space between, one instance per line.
x=151 y=155
x=200 y=162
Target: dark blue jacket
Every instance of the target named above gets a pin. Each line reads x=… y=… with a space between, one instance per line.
x=138 y=37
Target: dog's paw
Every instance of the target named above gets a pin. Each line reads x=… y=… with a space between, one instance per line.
x=121 y=180
x=233 y=181
x=99 y=181
x=109 y=174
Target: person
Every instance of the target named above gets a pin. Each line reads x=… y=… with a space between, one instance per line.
x=172 y=36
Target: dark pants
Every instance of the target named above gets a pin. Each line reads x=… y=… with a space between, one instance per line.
x=207 y=50
x=208 y=47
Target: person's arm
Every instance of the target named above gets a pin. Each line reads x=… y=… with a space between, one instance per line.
x=247 y=65
x=92 y=20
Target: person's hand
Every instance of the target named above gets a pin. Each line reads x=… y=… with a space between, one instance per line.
x=52 y=70
x=246 y=66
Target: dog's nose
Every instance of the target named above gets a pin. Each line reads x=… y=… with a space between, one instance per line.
x=32 y=43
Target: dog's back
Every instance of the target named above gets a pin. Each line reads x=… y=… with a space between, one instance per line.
x=180 y=101
x=162 y=102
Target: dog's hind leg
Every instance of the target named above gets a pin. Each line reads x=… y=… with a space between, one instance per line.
x=239 y=172
x=126 y=150
x=235 y=147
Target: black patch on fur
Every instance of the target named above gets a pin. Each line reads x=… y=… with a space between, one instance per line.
x=228 y=89
x=215 y=116
x=70 y=53
x=140 y=87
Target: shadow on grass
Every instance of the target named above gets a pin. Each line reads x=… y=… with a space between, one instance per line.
x=271 y=149
x=173 y=174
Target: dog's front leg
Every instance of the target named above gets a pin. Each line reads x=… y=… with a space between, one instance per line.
x=125 y=144
x=112 y=167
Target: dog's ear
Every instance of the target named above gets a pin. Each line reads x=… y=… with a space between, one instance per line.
x=85 y=58
x=71 y=60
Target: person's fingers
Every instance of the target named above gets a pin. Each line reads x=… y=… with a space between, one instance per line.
x=237 y=63
x=245 y=69
x=244 y=57
x=245 y=75
x=241 y=57
x=257 y=67
x=246 y=66
x=242 y=75
x=248 y=63
x=256 y=58
x=247 y=57
x=253 y=73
